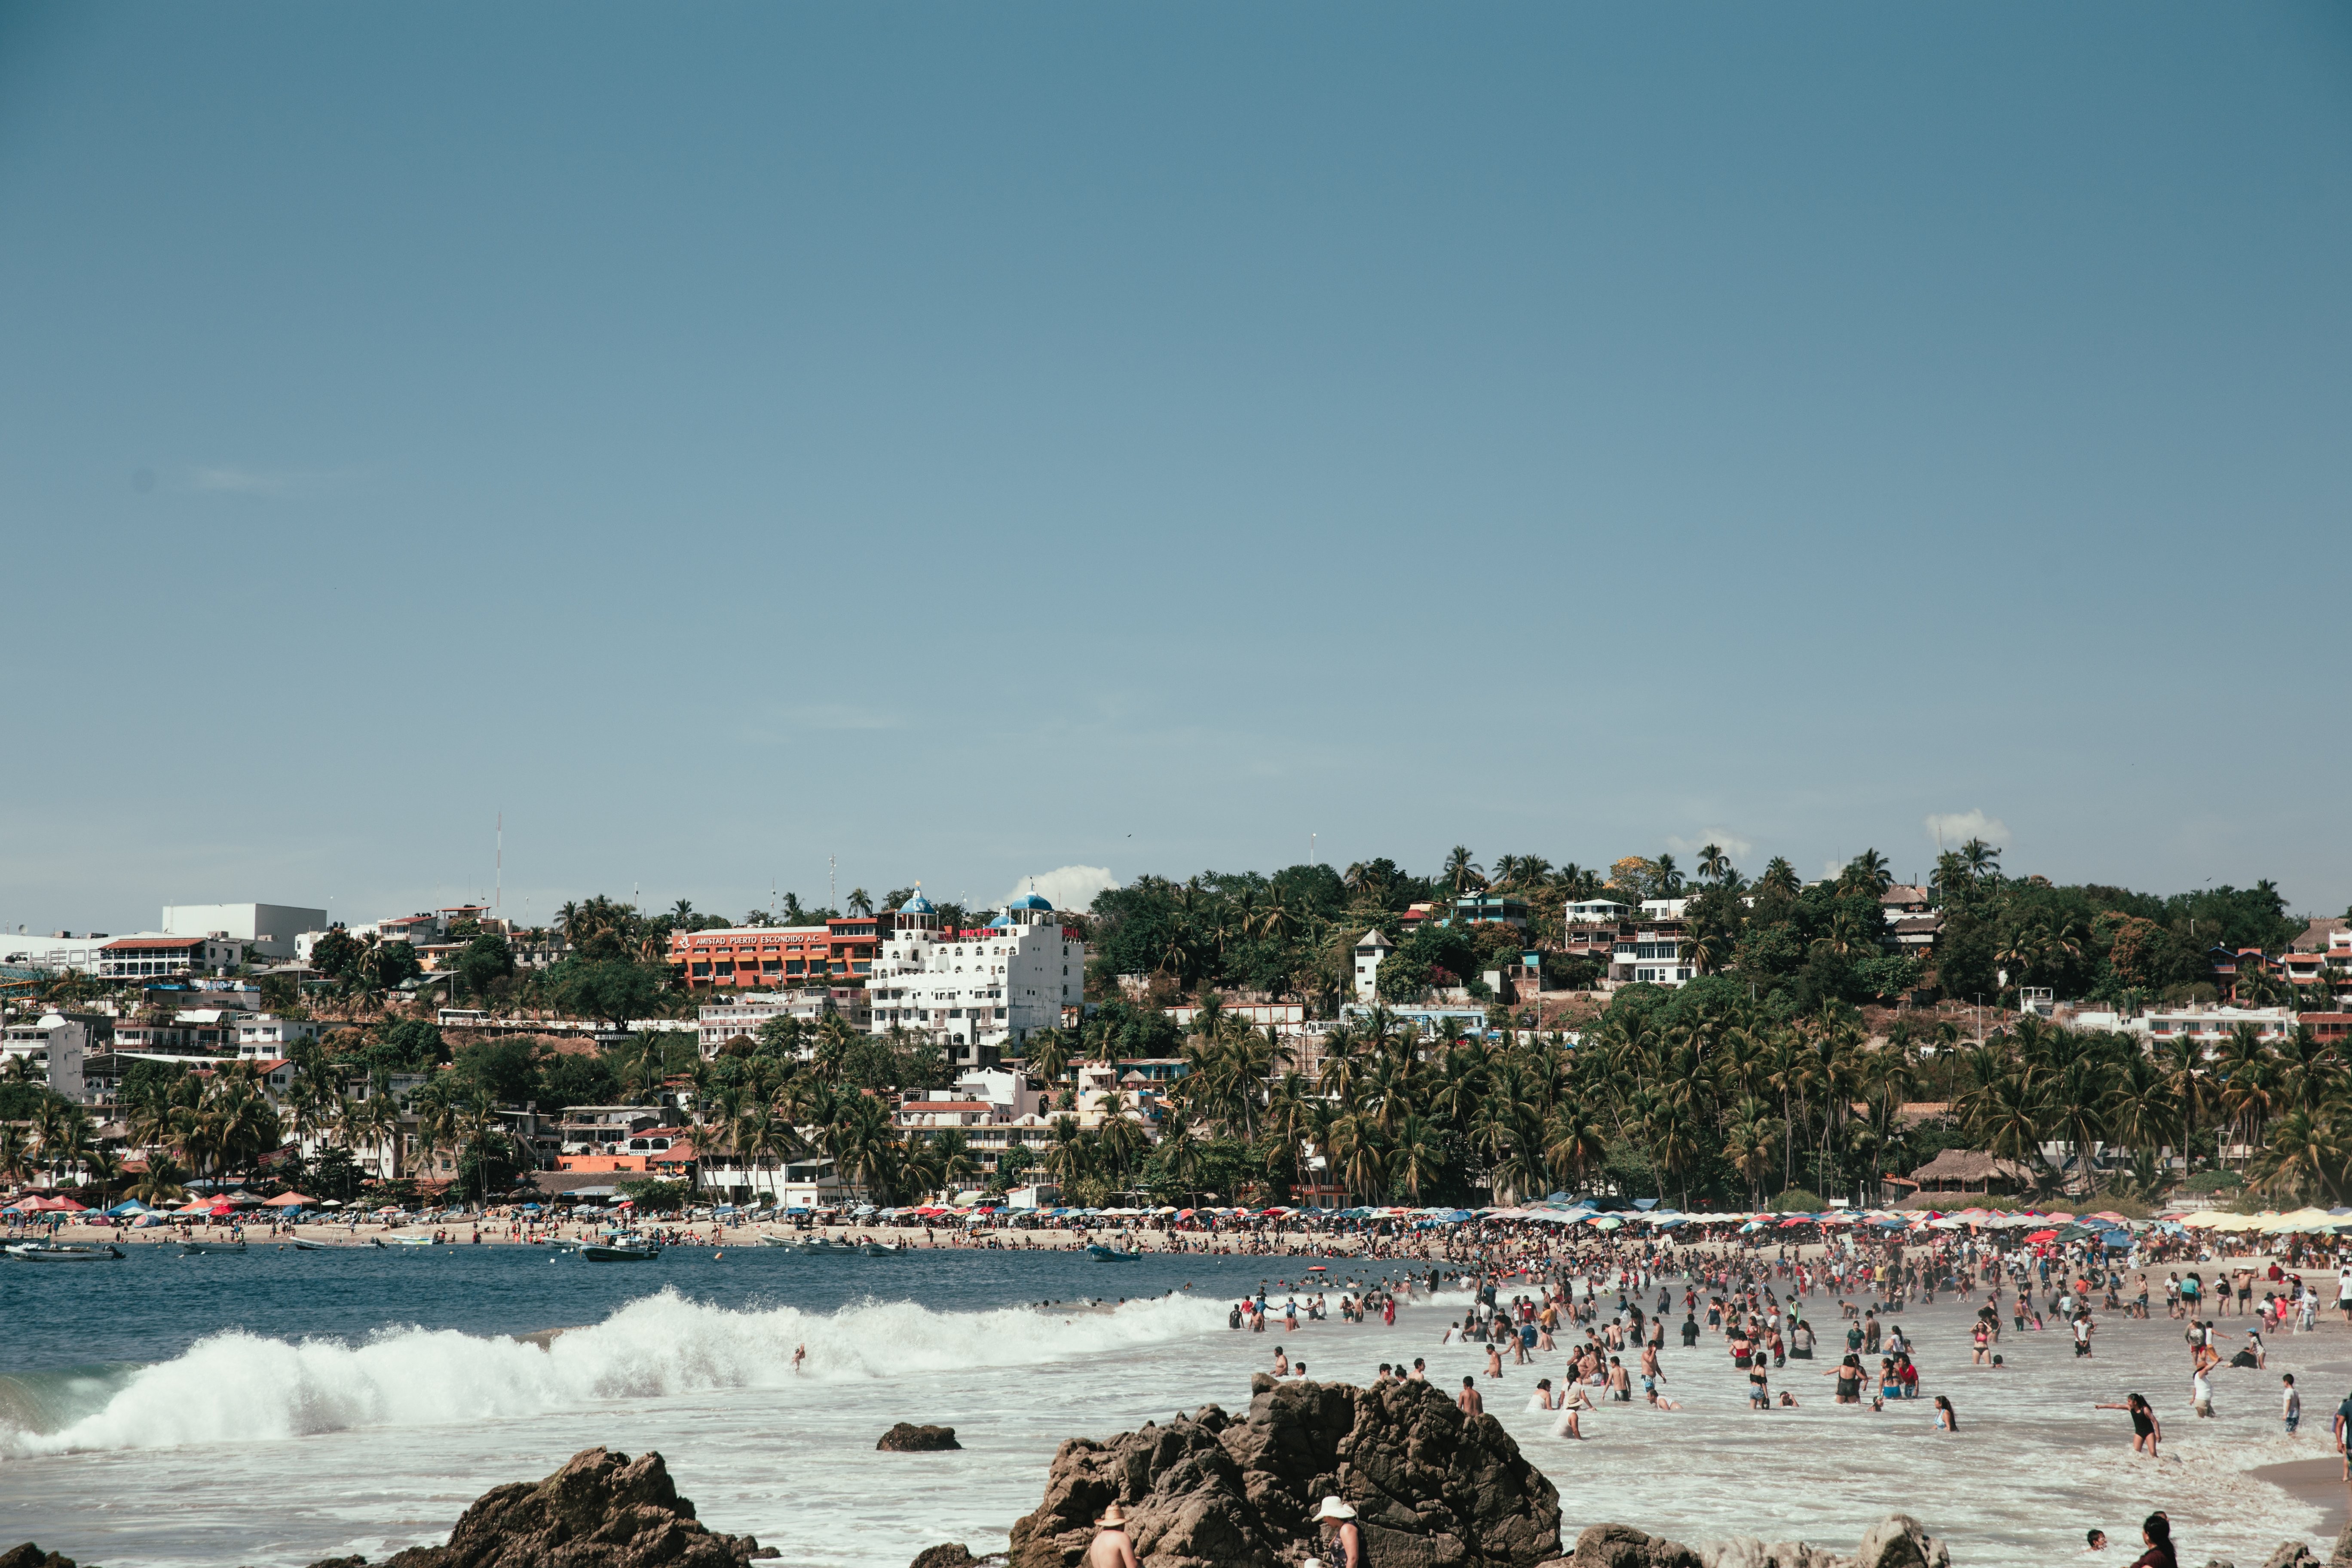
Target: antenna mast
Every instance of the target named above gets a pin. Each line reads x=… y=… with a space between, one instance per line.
x=499 y=897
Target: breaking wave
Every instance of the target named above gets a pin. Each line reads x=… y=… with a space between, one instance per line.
x=238 y=1387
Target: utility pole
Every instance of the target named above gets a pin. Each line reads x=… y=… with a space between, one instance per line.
x=499 y=896
x=832 y=886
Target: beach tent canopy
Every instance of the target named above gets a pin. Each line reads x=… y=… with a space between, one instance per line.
x=288 y=1201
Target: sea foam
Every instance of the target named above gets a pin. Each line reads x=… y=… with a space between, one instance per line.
x=239 y=1387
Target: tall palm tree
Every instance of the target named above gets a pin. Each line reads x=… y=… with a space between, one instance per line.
x=1462 y=873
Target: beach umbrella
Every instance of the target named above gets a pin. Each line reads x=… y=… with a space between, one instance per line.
x=288 y=1201
x=2042 y=1236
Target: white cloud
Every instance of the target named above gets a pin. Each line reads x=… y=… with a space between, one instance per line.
x=1069 y=888
x=1953 y=828
x=1723 y=838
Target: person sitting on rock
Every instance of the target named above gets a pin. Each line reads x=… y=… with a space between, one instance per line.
x=1346 y=1541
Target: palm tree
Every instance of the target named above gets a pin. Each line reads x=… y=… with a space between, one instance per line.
x=163 y=1181
x=1712 y=863
x=1047 y=1054
x=1462 y=872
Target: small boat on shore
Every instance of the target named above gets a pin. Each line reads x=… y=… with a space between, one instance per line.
x=299 y=1245
x=190 y=1249
x=403 y=1241
x=880 y=1249
x=64 y=1252
x=1102 y=1254
x=620 y=1253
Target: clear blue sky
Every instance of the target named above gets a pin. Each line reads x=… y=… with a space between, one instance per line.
x=973 y=440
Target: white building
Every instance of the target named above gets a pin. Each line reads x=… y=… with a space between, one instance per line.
x=972 y=989
x=150 y=957
x=52 y=1045
x=269 y=929
x=1595 y=911
x=2208 y=1023
x=1651 y=957
x=1373 y=947
x=264 y=1037
x=742 y=1013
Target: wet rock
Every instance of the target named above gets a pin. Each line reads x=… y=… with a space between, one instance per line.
x=31 y=1556
x=2294 y=1554
x=1898 y=1540
x=954 y=1554
x=907 y=1438
x=1623 y=1546
x=601 y=1509
x=1432 y=1487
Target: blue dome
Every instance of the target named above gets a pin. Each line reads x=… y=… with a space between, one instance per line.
x=917 y=905
x=1000 y=920
x=1029 y=901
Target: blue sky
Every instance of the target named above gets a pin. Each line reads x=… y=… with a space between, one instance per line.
x=971 y=441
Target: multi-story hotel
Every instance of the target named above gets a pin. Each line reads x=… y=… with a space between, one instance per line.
x=974 y=989
x=780 y=957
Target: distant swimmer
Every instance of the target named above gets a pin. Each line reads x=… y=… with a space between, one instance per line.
x=1468 y=1401
x=1110 y=1548
x=1281 y=1363
x=799 y=1355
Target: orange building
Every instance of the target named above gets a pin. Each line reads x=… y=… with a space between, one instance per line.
x=753 y=958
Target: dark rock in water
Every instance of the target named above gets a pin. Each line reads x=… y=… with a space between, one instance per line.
x=600 y=1510
x=31 y=1556
x=1898 y=1540
x=1623 y=1546
x=1432 y=1487
x=954 y=1554
x=907 y=1438
x=2294 y=1554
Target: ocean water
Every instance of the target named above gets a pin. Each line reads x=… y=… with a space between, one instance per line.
x=283 y=1406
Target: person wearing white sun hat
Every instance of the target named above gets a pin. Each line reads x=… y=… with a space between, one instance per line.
x=1346 y=1541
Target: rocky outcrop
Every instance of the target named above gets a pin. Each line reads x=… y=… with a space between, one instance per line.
x=31 y=1556
x=601 y=1509
x=955 y=1554
x=907 y=1438
x=1623 y=1546
x=1432 y=1487
x=1898 y=1540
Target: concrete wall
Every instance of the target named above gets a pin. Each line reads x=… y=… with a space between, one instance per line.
x=280 y=922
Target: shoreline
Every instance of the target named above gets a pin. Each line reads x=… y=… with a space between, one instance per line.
x=2319 y=1482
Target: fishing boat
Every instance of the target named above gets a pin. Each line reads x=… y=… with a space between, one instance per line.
x=596 y=1254
x=1102 y=1254
x=789 y=1243
x=64 y=1252
x=403 y=1241
x=300 y=1245
x=880 y=1249
x=189 y=1248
